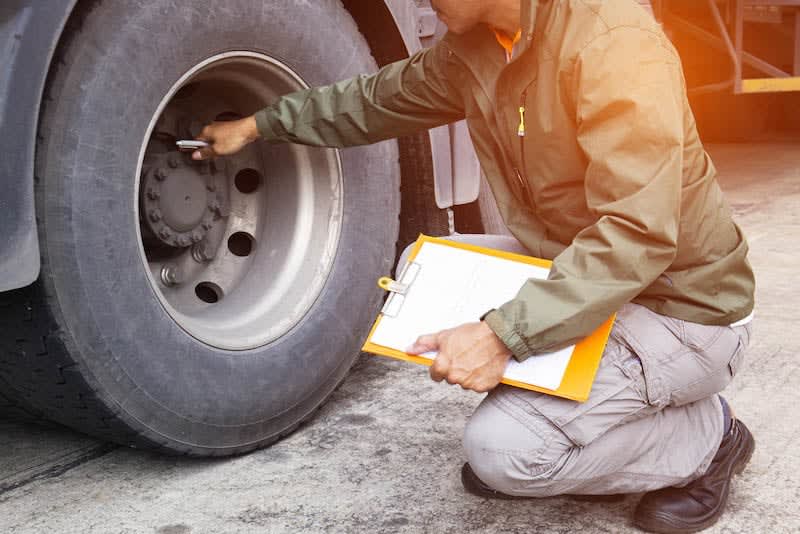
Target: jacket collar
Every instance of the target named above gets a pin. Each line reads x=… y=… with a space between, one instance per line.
x=476 y=48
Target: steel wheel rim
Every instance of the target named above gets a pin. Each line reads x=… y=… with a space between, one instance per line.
x=274 y=233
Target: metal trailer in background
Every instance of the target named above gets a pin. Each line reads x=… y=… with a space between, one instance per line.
x=721 y=24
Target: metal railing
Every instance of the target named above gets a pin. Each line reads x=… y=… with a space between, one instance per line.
x=729 y=38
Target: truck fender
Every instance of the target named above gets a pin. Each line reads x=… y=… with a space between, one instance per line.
x=29 y=34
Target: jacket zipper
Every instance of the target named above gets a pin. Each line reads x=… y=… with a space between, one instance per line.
x=523 y=182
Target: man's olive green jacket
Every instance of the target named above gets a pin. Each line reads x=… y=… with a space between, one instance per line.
x=589 y=146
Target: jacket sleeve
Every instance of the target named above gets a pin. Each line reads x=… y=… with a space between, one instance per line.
x=628 y=93
x=401 y=98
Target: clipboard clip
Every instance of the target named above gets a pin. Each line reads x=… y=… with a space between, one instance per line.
x=398 y=289
x=392 y=286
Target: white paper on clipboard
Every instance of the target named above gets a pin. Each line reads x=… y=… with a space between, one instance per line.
x=454 y=286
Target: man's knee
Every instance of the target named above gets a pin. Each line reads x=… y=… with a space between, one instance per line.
x=519 y=455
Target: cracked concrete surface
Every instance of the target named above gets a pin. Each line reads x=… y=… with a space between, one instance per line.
x=384 y=454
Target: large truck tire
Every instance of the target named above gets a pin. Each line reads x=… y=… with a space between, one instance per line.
x=196 y=309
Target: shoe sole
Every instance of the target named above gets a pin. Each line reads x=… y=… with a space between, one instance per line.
x=670 y=524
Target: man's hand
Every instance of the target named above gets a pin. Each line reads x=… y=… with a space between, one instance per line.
x=226 y=138
x=470 y=355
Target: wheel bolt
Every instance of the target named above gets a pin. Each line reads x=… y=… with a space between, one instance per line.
x=173 y=161
x=183 y=241
x=202 y=252
x=154 y=215
x=207 y=225
x=164 y=233
x=160 y=174
x=153 y=193
x=169 y=275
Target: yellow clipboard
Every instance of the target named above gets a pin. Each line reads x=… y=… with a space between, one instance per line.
x=578 y=377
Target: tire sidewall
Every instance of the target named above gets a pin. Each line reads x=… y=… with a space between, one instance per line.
x=165 y=383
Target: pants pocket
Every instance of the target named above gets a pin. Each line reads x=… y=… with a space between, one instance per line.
x=683 y=361
x=737 y=361
x=704 y=370
x=744 y=332
x=653 y=339
x=616 y=397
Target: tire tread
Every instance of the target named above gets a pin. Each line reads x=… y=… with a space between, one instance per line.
x=39 y=380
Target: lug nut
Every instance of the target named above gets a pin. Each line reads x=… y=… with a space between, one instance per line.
x=202 y=252
x=173 y=161
x=169 y=276
x=207 y=225
x=183 y=241
x=164 y=233
x=211 y=187
x=154 y=215
x=160 y=174
x=153 y=193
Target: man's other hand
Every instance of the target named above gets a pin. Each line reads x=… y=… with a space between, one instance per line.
x=226 y=138
x=470 y=355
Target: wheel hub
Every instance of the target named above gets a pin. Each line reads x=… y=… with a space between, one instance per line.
x=179 y=200
x=239 y=249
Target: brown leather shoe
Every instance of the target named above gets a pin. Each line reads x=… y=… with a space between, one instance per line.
x=476 y=486
x=699 y=504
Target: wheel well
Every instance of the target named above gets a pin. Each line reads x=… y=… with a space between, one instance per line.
x=418 y=210
x=376 y=23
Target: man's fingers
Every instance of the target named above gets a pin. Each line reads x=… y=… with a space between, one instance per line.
x=203 y=153
x=478 y=386
x=426 y=343
x=467 y=384
x=455 y=376
x=206 y=134
x=481 y=381
x=206 y=152
x=440 y=368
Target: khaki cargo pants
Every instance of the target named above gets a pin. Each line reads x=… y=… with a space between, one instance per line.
x=653 y=418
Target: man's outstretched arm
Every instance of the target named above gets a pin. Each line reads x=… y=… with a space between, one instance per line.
x=404 y=97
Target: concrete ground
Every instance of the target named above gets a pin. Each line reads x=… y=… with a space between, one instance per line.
x=384 y=454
